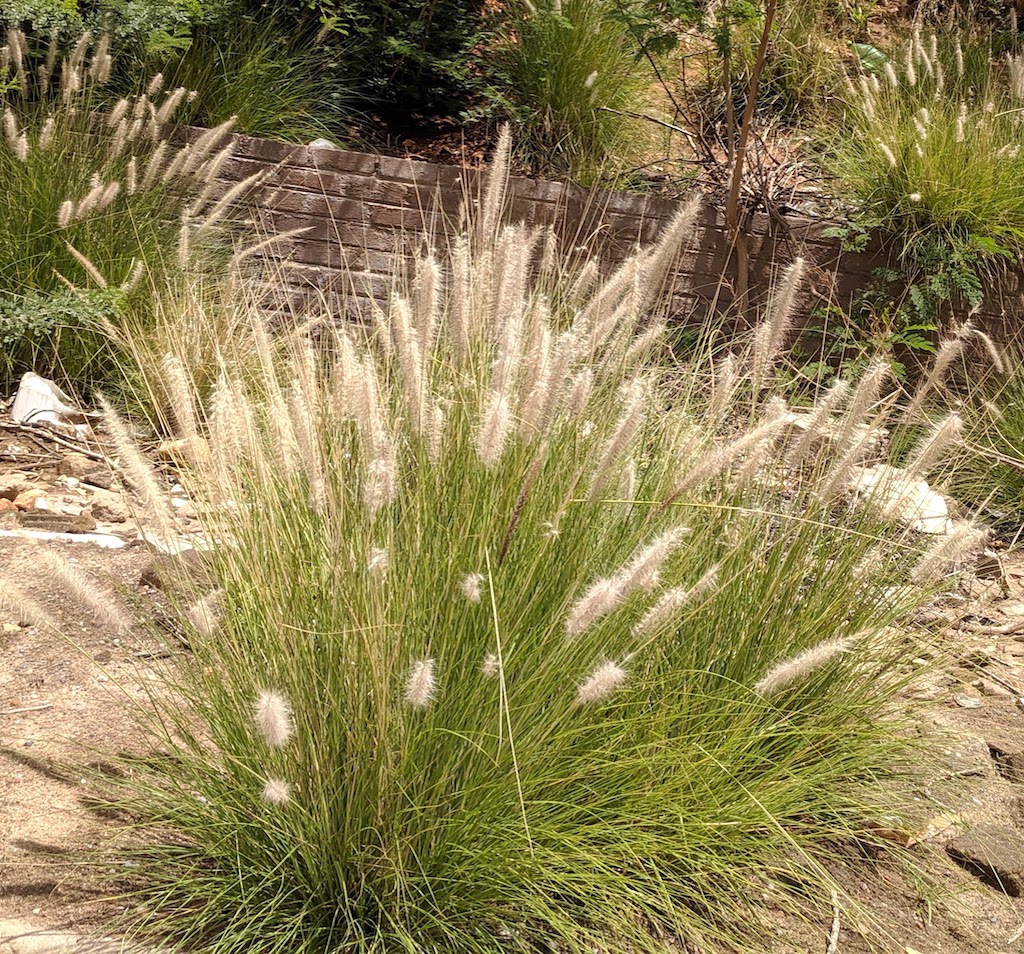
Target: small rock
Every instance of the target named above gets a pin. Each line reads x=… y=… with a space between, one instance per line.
x=994 y=855
x=87 y=470
x=988 y=688
x=968 y=702
x=43 y=942
x=108 y=507
x=902 y=497
x=7 y=506
x=57 y=522
x=970 y=756
x=1010 y=765
x=13 y=484
x=34 y=499
x=166 y=570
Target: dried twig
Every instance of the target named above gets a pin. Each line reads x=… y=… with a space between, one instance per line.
x=833 y=935
x=36 y=431
x=36 y=708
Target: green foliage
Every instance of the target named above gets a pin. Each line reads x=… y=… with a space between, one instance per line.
x=94 y=196
x=59 y=18
x=401 y=58
x=59 y=334
x=417 y=517
x=875 y=325
x=800 y=69
x=157 y=26
x=569 y=73
x=272 y=85
x=931 y=155
x=992 y=475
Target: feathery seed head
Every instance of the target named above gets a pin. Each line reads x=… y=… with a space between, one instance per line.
x=495 y=428
x=276 y=791
x=470 y=586
x=665 y=609
x=490 y=666
x=421 y=687
x=965 y=540
x=273 y=717
x=205 y=614
x=643 y=571
x=934 y=444
x=601 y=683
x=378 y=562
x=799 y=667
x=599 y=599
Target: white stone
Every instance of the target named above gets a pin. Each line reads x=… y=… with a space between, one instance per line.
x=903 y=497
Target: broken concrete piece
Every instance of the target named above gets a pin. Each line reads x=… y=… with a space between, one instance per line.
x=970 y=756
x=902 y=497
x=40 y=401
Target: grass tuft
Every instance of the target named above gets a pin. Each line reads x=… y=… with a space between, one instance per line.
x=499 y=659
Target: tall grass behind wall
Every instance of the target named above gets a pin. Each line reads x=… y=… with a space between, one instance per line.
x=932 y=155
x=514 y=638
x=99 y=204
x=571 y=74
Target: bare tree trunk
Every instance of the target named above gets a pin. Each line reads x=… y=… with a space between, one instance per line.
x=732 y=205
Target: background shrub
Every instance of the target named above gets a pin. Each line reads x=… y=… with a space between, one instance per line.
x=932 y=156
x=402 y=59
x=569 y=72
x=992 y=475
x=270 y=83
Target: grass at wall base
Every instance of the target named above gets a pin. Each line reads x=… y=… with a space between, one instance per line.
x=516 y=641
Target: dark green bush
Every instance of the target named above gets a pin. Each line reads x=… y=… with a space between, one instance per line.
x=401 y=57
x=57 y=334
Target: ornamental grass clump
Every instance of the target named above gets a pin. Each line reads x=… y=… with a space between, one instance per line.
x=497 y=660
x=100 y=204
x=931 y=154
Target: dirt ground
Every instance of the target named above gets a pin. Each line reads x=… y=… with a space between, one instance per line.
x=60 y=699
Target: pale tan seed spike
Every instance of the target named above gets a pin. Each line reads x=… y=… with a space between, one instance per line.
x=946 y=551
x=634 y=407
x=137 y=471
x=940 y=437
x=91 y=270
x=82 y=589
x=410 y=358
x=426 y=297
x=949 y=350
x=724 y=382
x=20 y=607
x=865 y=397
x=154 y=166
x=460 y=309
x=225 y=202
x=659 y=260
x=170 y=106
x=797 y=668
x=816 y=426
x=497 y=184
x=771 y=333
